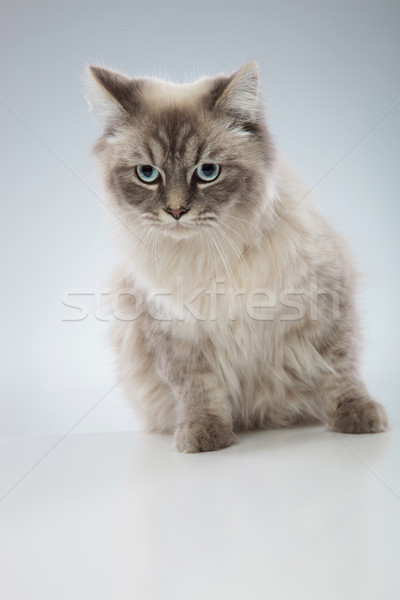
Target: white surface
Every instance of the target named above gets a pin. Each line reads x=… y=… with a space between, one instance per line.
x=299 y=513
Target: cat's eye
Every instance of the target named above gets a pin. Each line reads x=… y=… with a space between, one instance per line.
x=147 y=173
x=207 y=171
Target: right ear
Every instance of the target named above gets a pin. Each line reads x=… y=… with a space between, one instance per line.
x=237 y=94
x=111 y=93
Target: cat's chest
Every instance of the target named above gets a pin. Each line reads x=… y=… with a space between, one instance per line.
x=210 y=293
x=213 y=304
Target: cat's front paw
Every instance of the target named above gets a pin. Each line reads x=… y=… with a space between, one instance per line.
x=203 y=434
x=359 y=415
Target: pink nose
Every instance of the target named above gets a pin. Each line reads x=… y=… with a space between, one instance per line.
x=176 y=212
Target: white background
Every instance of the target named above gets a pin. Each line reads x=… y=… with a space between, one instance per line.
x=329 y=76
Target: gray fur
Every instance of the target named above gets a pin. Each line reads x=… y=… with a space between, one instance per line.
x=204 y=374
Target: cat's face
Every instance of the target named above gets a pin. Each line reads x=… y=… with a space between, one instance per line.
x=180 y=158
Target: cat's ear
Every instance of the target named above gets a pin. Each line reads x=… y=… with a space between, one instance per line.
x=238 y=94
x=111 y=93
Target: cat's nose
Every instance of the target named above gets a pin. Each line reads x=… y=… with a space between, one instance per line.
x=176 y=212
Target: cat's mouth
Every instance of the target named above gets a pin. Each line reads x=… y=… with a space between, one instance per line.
x=180 y=228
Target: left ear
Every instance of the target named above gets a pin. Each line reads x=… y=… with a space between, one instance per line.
x=112 y=93
x=240 y=97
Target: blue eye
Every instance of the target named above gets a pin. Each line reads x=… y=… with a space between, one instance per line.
x=147 y=173
x=208 y=171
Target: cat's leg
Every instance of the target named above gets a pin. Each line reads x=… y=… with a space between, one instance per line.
x=204 y=418
x=148 y=394
x=204 y=423
x=347 y=404
x=358 y=414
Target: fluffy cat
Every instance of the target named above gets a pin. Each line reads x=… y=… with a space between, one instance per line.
x=234 y=298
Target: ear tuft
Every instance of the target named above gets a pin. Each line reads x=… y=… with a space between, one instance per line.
x=111 y=93
x=240 y=97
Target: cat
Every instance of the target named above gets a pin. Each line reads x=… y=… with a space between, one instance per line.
x=240 y=296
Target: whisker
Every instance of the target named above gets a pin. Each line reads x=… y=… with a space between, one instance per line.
x=241 y=257
x=235 y=248
x=234 y=231
x=223 y=258
x=226 y=236
x=245 y=221
x=212 y=250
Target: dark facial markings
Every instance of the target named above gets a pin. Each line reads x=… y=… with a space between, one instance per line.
x=150 y=153
x=204 y=197
x=205 y=166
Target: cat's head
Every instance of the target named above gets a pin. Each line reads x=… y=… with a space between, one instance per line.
x=181 y=157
